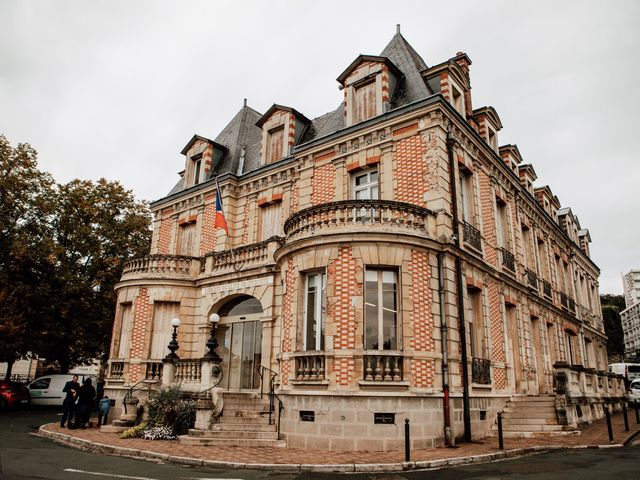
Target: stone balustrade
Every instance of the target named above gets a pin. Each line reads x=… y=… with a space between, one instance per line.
x=383 y=367
x=241 y=258
x=310 y=366
x=350 y=216
x=116 y=370
x=161 y=265
x=188 y=371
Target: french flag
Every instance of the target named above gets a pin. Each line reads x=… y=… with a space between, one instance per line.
x=220 y=221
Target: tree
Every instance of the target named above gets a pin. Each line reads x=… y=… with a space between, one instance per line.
x=612 y=305
x=97 y=227
x=25 y=246
x=62 y=248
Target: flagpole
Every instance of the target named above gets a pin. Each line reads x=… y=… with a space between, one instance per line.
x=233 y=253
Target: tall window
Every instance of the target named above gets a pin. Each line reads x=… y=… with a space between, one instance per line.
x=365 y=102
x=542 y=258
x=270 y=220
x=466 y=195
x=314 y=310
x=163 y=313
x=126 y=326
x=365 y=184
x=457 y=99
x=477 y=330
x=186 y=238
x=380 y=309
x=502 y=224
x=276 y=142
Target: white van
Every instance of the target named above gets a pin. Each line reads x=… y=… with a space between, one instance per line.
x=47 y=390
x=630 y=371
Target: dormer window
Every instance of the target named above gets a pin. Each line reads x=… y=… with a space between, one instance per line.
x=457 y=99
x=276 y=142
x=197 y=168
x=492 y=139
x=365 y=101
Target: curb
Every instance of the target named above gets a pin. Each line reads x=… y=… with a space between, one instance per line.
x=304 y=467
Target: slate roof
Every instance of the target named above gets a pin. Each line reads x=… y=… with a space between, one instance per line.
x=243 y=132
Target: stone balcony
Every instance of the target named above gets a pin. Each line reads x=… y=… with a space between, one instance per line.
x=161 y=266
x=361 y=216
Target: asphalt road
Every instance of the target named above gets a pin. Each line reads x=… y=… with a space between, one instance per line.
x=26 y=456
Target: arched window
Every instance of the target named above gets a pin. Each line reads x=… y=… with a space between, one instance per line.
x=242 y=305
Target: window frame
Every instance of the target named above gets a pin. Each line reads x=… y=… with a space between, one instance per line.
x=369 y=185
x=270 y=138
x=380 y=308
x=319 y=311
x=371 y=85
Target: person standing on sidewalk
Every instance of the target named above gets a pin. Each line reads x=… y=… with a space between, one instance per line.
x=86 y=397
x=69 y=404
x=103 y=410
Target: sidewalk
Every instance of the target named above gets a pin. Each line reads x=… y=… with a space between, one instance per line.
x=296 y=459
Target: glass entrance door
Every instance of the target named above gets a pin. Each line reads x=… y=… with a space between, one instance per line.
x=240 y=346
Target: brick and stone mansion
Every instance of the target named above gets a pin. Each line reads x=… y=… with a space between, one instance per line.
x=388 y=260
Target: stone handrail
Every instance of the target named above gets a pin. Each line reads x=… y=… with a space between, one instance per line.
x=383 y=366
x=173 y=265
x=310 y=366
x=360 y=214
x=241 y=257
x=188 y=371
x=576 y=381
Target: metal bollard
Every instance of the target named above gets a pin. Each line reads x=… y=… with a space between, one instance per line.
x=608 y=417
x=626 y=418
x=637 y=413
x=407 y=441
x=500 y=438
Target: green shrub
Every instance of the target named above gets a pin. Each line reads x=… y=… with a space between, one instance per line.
x=135 y=432
x=167 y=408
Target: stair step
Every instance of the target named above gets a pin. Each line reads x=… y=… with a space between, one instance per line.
x=247 y=420
x=530 y=408
x=239 y=442
x=529 y=421
x=538 y=398
x=232 y=434
x=533 y=428
x=518 y=414
x=247 y=427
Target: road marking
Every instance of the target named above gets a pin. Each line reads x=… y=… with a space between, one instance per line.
x=112 y=475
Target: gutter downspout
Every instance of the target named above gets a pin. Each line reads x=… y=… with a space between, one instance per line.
x=466 y=414
x=449 y=439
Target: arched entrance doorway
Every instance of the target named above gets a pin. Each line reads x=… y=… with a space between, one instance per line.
x=239 y=338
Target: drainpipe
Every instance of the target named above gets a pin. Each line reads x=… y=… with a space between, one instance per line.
x=449 y=439
x=466 y=414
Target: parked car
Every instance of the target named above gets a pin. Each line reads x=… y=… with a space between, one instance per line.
x=47 y=390
x=13 y=394
x=634 y=392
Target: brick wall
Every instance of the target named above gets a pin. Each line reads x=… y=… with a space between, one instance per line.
x=141 y=321
x=421 y=318
x=208 y=242
x=343 y=273
x=497 y=335
x=287 y=317
x=410 y=171
x=488 y=219
x=164 y=236
x=323 y=184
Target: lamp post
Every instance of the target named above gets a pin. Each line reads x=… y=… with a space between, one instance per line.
x=173 y=344
x=212 y=343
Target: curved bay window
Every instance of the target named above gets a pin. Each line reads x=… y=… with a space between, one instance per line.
x=381 y=309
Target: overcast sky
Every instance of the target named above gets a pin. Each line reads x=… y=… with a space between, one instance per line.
x=115 y=89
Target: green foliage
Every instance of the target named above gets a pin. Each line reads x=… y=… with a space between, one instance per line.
x=62 y=248
x=135 y=432
x=611 y=307
x=167 y=408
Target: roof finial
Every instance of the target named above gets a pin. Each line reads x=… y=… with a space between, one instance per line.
x=397 y=28
x=245 y=102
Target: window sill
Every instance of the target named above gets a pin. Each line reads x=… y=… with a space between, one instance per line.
x=401 y=385
x=482 y=386
x=309 y=383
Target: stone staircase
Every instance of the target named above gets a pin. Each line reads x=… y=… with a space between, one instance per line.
x=531 y=416
x=244 y=422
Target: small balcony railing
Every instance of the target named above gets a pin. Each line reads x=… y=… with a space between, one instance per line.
x=310 y=367
x=117 y=370
x=508 y=260
x=532 y=278
x=383 y=367
x=361 y=215
x=165 y=265
x=471 y=235
x=546 y=288
x=481 y=371
x=252 y=255
x=188 y=371
x=154 y=371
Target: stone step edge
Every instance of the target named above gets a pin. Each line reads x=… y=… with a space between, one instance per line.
x=304 y=467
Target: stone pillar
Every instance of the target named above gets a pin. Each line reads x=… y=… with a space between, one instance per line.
x=168 y=372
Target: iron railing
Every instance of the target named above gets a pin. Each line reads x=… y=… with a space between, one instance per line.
x=532 y=278
x=273 y=396
x=508 y=260
x=471 y=235
x=481 y=371
x=546 y=288
x=383 y=367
